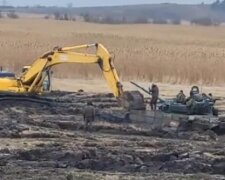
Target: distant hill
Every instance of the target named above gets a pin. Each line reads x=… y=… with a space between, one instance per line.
x=132 y=13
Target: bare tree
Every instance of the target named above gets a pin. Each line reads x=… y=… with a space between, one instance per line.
x=57 y=15
x=66 y=17
x=47 y=17
x=159 y=21
x=176 y=21
x=141 y=20
x=87 y=17
x=202 y=21
x=12 y=15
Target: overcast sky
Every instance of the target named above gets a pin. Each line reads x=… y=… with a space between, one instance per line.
x=81 y=3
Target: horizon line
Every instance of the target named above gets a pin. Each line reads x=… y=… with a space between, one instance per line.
x=99 y=6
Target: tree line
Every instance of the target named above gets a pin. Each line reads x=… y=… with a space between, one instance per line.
x=218 y=5
x=10 y=14
x=204 y=21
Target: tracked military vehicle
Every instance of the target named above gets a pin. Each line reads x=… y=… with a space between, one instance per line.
x=196 y=104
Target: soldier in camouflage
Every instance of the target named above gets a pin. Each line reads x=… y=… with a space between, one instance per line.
x=89 y=115
x=154 y=90
x=181 y=98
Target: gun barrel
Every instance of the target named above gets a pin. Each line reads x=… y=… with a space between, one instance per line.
x=143 y=89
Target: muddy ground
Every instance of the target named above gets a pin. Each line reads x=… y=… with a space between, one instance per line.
x=49 y=142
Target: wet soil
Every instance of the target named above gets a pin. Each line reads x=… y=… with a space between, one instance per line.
x=50 y=142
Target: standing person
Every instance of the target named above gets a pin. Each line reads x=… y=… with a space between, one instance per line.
x=191 y=103
x=190 y=97
x=154 y=90
x=89 y=115
x=211 y=98
x=181 y=98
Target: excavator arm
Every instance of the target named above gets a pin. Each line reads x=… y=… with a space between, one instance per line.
x=33 y=78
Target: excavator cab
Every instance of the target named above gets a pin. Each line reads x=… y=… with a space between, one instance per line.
x=25 y=69
x=46 y=85
x=47 y=80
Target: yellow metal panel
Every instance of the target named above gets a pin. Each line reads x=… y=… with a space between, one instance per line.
x=72 y=57
x=10 y=85
x=33 y=71
x=109 y=71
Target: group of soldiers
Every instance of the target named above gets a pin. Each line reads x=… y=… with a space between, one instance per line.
x=89 y=111
x=181 y=98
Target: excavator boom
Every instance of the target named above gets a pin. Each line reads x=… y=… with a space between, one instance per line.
x=33 y=77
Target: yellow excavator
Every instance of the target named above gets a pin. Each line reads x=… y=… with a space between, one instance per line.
x=33 y=77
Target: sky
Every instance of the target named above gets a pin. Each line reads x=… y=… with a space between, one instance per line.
x=86 y=3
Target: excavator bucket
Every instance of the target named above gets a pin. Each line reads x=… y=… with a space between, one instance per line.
x=133 y=100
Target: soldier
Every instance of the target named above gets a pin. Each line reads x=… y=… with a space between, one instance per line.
x=181 y=98
x=191 y=102
x=209 y=97
x=212 y=98
x=89 y=115
x=190 y=97
x=155 y=95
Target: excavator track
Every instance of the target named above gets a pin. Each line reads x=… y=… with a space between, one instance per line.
x=9 y=97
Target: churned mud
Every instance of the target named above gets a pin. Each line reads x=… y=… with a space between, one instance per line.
x=49 y=142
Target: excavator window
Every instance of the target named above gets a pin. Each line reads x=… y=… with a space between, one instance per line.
x=25 y=68
x=7 y=75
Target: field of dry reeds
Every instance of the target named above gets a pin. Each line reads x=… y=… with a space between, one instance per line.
x=159 y=53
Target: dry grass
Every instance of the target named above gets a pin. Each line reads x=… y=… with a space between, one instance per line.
x=171 y=54
x=99 y=86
